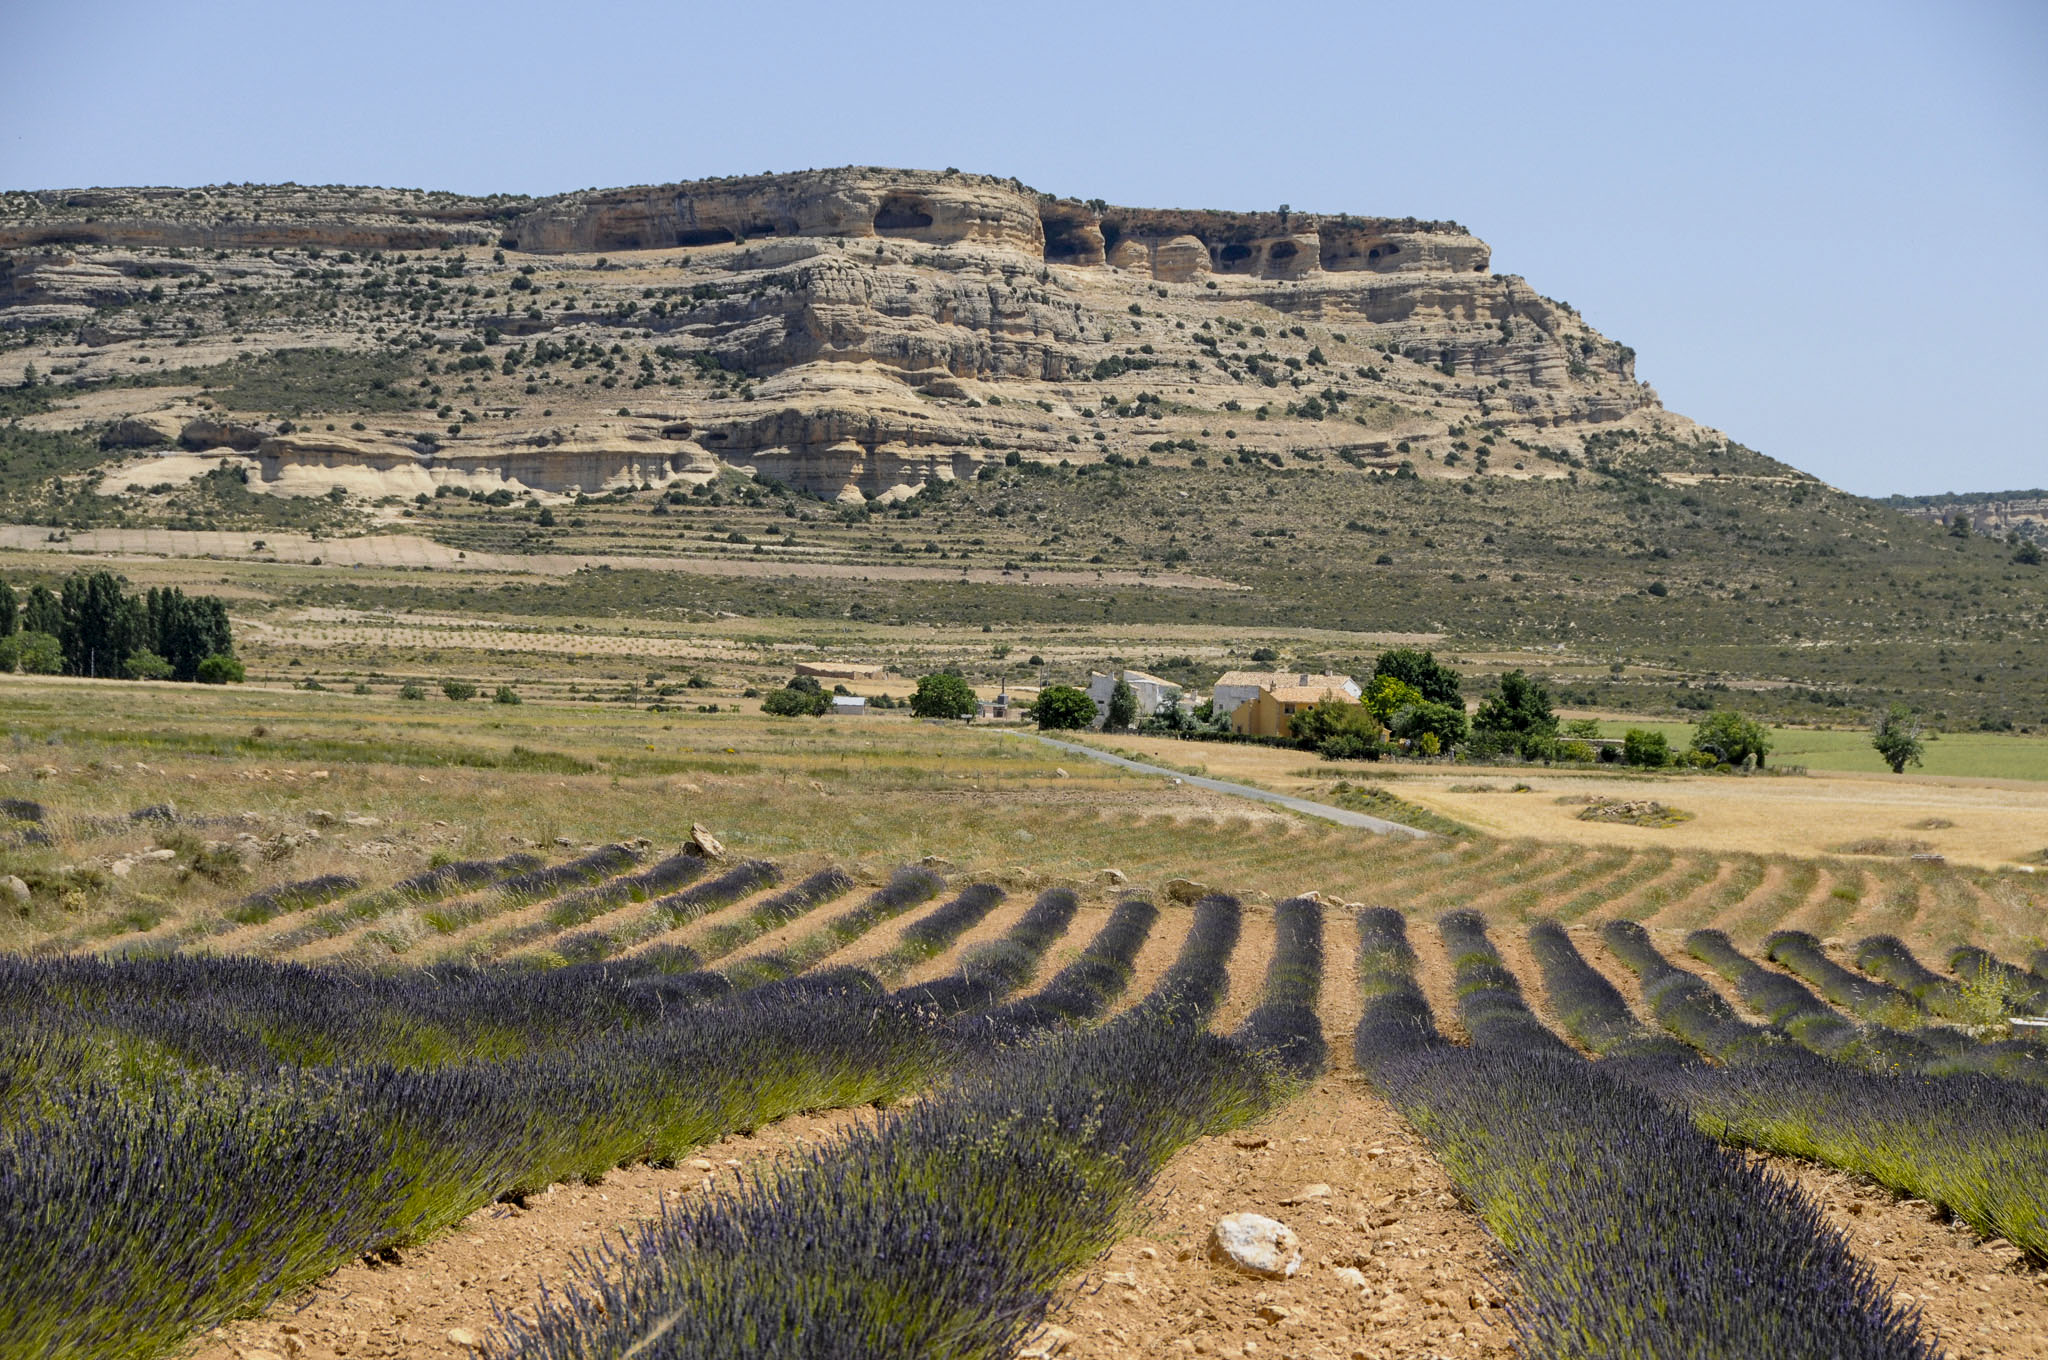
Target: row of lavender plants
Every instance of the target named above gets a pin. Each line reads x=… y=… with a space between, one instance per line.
x=1631 y=1232
x=225 y=1130
x=944 y=1231
x=1975 y=1145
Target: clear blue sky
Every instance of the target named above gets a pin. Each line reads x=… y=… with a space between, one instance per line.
x=1820 y=225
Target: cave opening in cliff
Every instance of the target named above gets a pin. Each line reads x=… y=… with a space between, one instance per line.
x=1233 y=254
x=704 y=236
x=1283 y=250
x=1382 y=251
x=901 y=213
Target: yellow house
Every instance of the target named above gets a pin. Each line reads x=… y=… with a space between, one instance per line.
x=1271 y=712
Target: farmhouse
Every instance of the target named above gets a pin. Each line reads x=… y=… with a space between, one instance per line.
x=1153 y=693
x=845 y=705
x=1237 y=687
x=1270 y=712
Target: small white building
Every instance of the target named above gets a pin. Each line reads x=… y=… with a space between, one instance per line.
x=844 y=705
x=1237 y=688
x=1152 y=692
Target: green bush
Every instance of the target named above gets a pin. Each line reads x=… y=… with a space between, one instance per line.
x=413 y=692
x=945 y=695
x=458 y=690
x=148 y=666
x=791 y=702
x=1731 y=738
x=31 y=653
x=506 y=695
x=1063 y=708
x=1651 y=750
x=1349 y=746
x=221 y=670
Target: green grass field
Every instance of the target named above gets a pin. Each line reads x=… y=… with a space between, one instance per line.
x=1982 y=755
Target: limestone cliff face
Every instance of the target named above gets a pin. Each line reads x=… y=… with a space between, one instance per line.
x=854 y=332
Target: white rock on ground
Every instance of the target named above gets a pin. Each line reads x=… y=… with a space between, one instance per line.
x=1257 y=1245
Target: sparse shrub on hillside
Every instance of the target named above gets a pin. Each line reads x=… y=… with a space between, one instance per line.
x=221 y=670
x=412 y=691
x=458 y=691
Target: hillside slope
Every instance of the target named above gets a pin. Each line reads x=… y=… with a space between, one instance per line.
x=915 y=396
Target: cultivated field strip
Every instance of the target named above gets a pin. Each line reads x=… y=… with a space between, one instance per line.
x=1526 y=1127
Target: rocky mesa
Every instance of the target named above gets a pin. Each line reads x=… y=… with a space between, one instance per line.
x=852 y=333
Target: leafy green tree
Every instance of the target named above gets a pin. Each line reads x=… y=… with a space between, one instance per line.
x=1518 y=715
x=101 y=626
x=1896 y=737
x=1651 y=750
x=792 y=702
x=1437 y=682
x=148 y=666
x=1327 y=719
x=458 y=691
x=1728 y=736
x=10 y=609
x=2027 y=553
x=226 y=670
x=412 y=691
x=1063 y=708
x=1417 y=722
x=1123 y=707
x=1387 y=695
x=43 y=613
x=943 y=695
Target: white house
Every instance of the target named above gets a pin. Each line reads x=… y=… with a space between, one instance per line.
x=1237 y=688
x=1153 y=693
x=848 y=705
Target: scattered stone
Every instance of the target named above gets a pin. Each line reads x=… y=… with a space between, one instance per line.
x=1186 y=891
x=322 y=817
x=319 y=774
x=462 y=1336
x=1257 y=1245
x=363 y=820
x=1307 y=1193
x=702 y=1164
x=703 y=844
x=936 y=862
x=1112 y=878
x=1059 y=773
x=122 y=867
x=1273 y=1314
x=13 y=891
x=155 y=812
x=158 y=856
x=44 y=772
x=1350 y=1275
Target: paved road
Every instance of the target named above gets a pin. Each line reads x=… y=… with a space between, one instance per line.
x=1341 y=816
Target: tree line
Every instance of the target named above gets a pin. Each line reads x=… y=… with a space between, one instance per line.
x=91 y=626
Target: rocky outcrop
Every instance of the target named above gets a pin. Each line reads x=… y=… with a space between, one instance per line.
x=913 y=205
x=946 y=208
